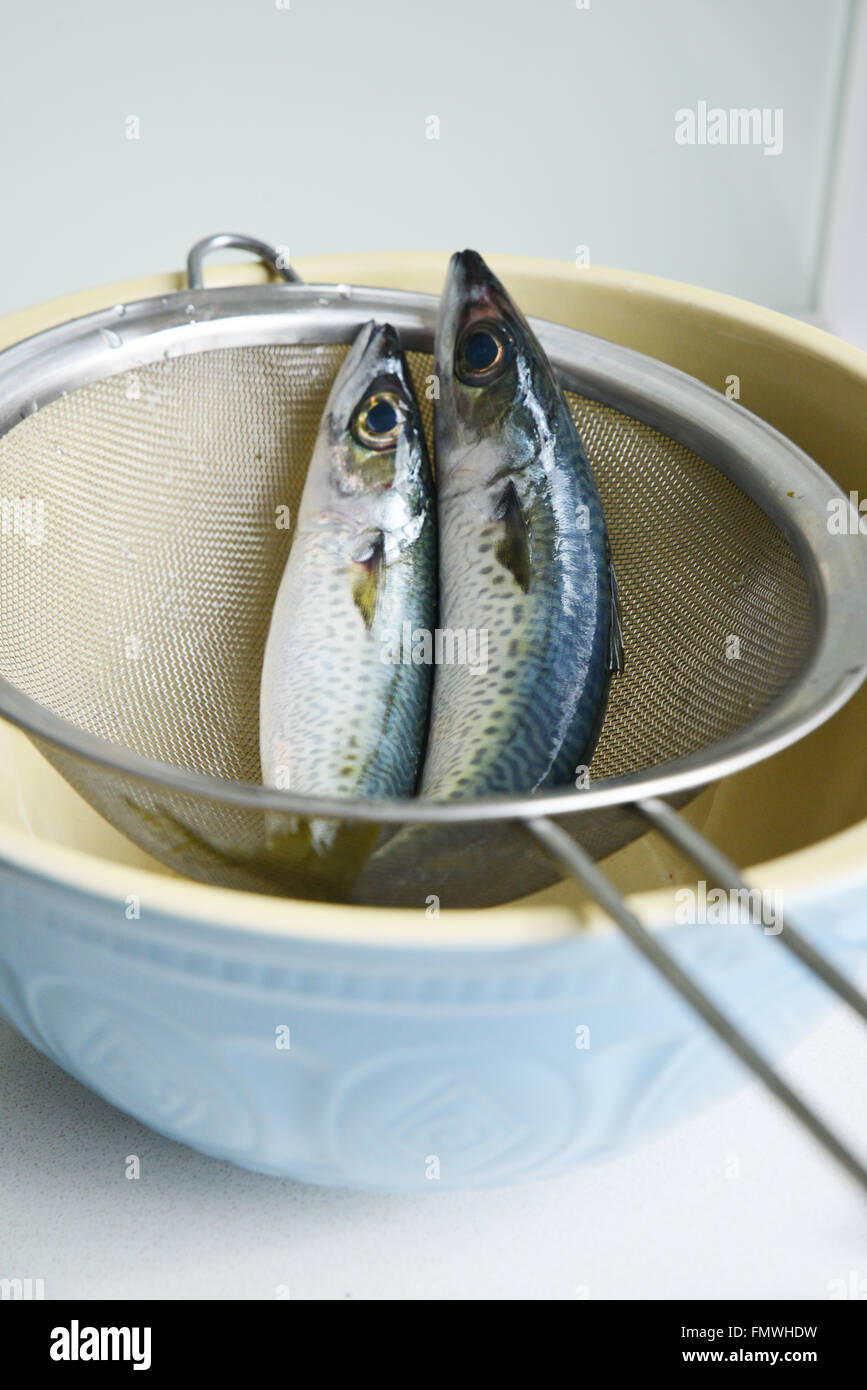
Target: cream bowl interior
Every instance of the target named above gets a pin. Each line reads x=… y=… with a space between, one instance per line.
x=795 y=821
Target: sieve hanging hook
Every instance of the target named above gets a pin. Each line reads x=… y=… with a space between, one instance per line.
x=237 y=241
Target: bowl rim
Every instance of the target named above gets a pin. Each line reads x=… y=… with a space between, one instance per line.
x=195 y=907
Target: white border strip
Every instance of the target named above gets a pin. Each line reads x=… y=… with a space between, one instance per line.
x=843 y=285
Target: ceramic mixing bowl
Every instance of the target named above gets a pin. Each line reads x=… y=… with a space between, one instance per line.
x=401 y=1049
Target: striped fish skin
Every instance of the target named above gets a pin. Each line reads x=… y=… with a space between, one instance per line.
x=524 y=557
x=338 y=715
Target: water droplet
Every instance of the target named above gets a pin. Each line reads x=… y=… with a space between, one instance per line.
x=190 y=309
x=59 y=452
x=114 y=340
x=120 y=310
x=323 y=301
x=29 y=409
x=344 y=291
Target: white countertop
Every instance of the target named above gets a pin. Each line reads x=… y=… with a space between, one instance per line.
x=666 y=1222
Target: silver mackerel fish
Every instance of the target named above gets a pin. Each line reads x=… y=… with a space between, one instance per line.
x=525 y=562
x=339 y=715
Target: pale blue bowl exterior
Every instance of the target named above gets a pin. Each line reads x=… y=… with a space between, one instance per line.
x=407 y=1069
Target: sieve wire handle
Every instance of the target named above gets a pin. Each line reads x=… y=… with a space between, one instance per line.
x=237 y=241
x=560 y=847
x=720 y=868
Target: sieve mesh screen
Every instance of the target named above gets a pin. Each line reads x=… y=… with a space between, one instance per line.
x=138 y=605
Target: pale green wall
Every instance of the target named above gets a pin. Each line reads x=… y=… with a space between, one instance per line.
x=307 y=126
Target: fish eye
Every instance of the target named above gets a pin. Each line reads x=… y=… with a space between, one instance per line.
x=481 y=350
x=377 y=420
x=482 y=354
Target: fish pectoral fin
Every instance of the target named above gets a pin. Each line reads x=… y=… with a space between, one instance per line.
x=368 y=566
x=616 y=653
x=513 y=547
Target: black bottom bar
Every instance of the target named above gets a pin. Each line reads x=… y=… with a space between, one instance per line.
x=166 y=1339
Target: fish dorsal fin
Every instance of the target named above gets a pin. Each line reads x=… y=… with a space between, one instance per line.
x=368 y=563
x=513 y=548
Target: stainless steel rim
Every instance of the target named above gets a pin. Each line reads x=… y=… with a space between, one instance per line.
x=789 y=486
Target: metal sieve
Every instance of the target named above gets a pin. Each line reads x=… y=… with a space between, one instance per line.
x=146 y=453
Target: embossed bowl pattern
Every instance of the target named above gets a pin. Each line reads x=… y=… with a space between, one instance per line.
x=392 y=1068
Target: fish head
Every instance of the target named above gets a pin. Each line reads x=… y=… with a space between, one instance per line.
x=490 y=367
x=377 y=455
x=369 y=492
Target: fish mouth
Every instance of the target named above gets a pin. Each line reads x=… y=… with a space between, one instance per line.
x=376 y=350
x=474 y=278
